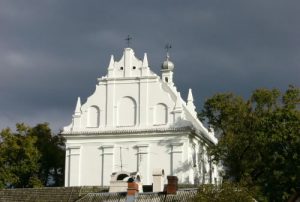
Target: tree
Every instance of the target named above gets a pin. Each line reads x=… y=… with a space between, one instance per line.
x=30 y=157
x=259 y=139
x=223 y=193
x=52 y=160
x=19 y=158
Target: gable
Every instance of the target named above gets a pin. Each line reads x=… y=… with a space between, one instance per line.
x=132 y=96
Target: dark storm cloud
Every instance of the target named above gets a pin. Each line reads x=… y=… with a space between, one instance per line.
x=52 y=51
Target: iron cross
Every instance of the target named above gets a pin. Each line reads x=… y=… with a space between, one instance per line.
x=168 y=47
x=128 y=39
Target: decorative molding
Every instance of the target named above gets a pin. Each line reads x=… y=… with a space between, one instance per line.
x=107 y=149
x=106 y=146
x=73 y=150
x=176 y=144
x=142 y=148
x=124 y=131
x=176 y=147
x=142 y=145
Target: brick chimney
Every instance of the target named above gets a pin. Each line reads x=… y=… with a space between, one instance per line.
x=132 y=190
x=172 y=185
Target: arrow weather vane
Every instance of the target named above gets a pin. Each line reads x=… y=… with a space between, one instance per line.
x=128 y=39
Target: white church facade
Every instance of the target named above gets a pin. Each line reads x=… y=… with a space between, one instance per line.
x=137 y=121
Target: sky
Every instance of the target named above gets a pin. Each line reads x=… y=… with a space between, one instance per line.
x=52 y=51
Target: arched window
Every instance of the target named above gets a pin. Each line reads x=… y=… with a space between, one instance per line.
x=93 y=117
x=127 y=112
x=160 y=114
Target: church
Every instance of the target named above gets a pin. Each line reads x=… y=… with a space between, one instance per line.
x=137 y=121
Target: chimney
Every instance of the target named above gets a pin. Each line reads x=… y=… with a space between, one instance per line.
x=158 y=180
x=132 y=190
x=172 y=185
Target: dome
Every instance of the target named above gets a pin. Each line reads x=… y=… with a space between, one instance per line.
x=167 y=65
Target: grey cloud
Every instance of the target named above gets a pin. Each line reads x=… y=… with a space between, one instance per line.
x=52 y=51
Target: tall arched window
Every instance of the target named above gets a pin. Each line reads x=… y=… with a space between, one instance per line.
x=93 y=117
x=127 y=112
x=160 y=114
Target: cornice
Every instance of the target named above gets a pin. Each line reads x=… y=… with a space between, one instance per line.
x=127 y=131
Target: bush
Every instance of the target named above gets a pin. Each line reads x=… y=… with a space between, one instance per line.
x=225 y=192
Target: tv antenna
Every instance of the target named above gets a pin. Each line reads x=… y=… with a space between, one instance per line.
x=121 y=159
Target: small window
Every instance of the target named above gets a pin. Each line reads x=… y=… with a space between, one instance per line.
x=134 y=67
x=121 y=68
x=166 y=79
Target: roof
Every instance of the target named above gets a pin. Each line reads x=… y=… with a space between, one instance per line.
x=182 y=195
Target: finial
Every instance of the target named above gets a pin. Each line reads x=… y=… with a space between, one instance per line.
x=128 y=39
x=168 y=47
x=111 y=62
x=190 y=103
x=167 y=64
x=78 y=106
x=145 y=60
x=178 y=104
x=190 y=96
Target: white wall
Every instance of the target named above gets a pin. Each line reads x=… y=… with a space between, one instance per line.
x=132 y=98
x=101 y=156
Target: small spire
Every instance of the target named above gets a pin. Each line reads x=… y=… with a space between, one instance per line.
x=78 y=106
x=190 y=96
x=111 y=62
x=190 y=103
x=178 y=104
x=145 y=60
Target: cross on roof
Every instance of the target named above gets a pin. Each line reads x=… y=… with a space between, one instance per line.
x=128 y=39
x=168 y=47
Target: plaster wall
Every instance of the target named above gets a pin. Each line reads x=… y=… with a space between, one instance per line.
x=133 y=98
x=148 y=102
x=141 y=154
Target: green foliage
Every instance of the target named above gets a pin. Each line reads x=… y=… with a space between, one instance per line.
x=259 y=139
x=52 y=155
x=30 y=157
x=224 y=193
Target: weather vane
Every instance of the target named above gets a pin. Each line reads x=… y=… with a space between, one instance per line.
x=168 y=47
x=128 y=39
